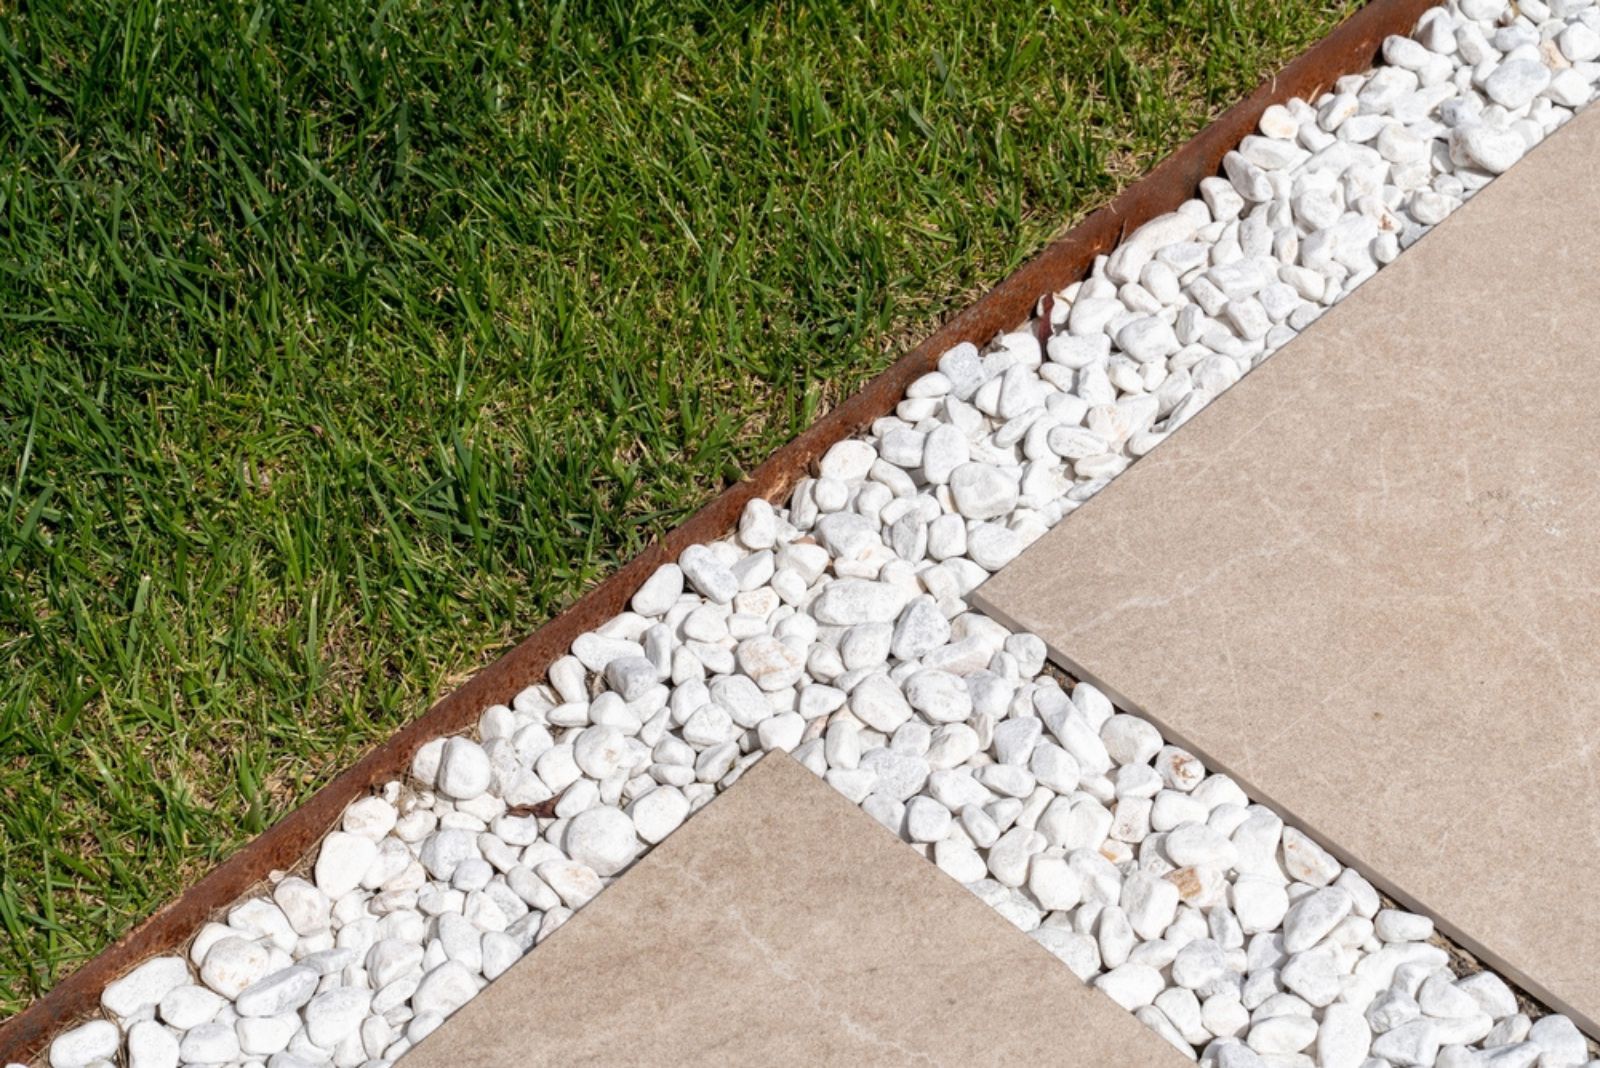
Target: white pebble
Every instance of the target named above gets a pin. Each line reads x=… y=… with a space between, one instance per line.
x=658 y=813
x=143 y=988
x=708 y=575
x=189 y=1006
x=1516 y=82
x=464 y=772
x=981 y=491
x=1392 y=925
x=335 y=1014
x=659 y=592
x=211 y=1043
x=233 y=963
x=602 y=838
x=444 y=989
x=342 y=861
x=94 y=1041
x=151 y=1046
x=848 y=460
x=1130 y=985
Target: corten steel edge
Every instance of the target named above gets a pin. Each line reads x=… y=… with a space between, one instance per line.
x=1350 y=48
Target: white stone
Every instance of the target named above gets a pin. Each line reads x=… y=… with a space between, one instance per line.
x=602 y=838
x=1131 y=985
x=342 y=861
x=444 y=989
x=1393 y=925
x=282 y=991
x=920 y=629
x=336 y=1014
x=189 y=1006
x=1224 y=1015
x=1151 y=903
x=939 y=695
x=1195 y=843
x=1014 y=739
x=849 y=601
x=1148 y=339
x=899 y=775
x=260 y=918
x=1130 y=740
x=1493 y=150
x=1559 y=1040
x=658 y=813
x=96 y=1040
x=211 y=1043
x=599 y=751
x=1073 y=730
x=233 y=963
x=1311 y=918
x=1077 y=951
x=271 y=1035
x=1363 y=895
x=1259 y=902
x=1306 y=861
x=425 y=764
x=1054 y=767
x=1440 y=998
x=143 y=988
x=1199 y=964
x=464 y=772
x=631 y=676
x=1404 y=52
x=1313 y=975
x=928 y=821
x=1053 y=883
x=1579 y=43
x=1390 y=1009
x=594 y=651
x=758 y=524
x=1410 y=1045
x=659 y=592
x=370 y=817
x=1282 y=1034
x=151 y=1045
x=444 y=851
x=771 y=663
x=1491 y=993
x=992 y=546
x=500 y=952
x=944 y=450
x=1516 y=82
x=848 y=460
x=981 y=491
x=879 y=703
x=710 y=577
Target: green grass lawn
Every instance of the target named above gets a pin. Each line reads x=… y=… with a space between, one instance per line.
x=343 y=344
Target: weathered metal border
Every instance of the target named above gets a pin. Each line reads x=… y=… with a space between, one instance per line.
x=1350 y=47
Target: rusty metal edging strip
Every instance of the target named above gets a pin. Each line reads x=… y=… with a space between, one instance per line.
x=1350 y=48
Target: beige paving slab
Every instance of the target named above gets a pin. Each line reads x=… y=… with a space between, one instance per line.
x=783 y=925
x=1364 y=581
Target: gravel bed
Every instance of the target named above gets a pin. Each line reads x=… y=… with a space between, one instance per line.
x=836 y=628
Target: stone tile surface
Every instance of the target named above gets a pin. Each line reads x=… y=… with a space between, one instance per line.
x=782 y=925
x=1364 y=581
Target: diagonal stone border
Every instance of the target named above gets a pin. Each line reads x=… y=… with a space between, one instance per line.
x=1350 y=46
x=853 y=604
